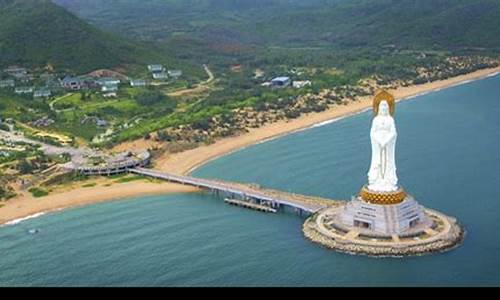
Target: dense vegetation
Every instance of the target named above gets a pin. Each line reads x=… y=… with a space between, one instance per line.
x=235 y=23
x=365 y=37
x=35 y=33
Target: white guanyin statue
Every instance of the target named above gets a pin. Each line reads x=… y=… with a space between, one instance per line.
x=382 y=174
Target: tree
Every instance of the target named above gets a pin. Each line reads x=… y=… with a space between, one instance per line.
x=151 y=97
x=25 y=167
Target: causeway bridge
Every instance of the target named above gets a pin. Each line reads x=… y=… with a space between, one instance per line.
x=251 y=193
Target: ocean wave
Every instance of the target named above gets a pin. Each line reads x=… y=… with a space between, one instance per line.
x=17 y=221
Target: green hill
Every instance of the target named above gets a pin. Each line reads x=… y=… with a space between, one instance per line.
x=38 y=32
x=292 y=23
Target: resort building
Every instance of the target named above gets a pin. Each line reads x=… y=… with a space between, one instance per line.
x=7 y=83
x=110 y=95
x=23 y=90
x=47 y=77
x=43 y=122
x=110 y=87
x=156 y=68
x=16 y=71
x=72 y=83
x=101 y=123
x=138 y=83
x=117 y=164
x=282 y=81
x=174 y=73
x=43 y=93
x=160 y=75
x=108 y=81
x=301 y=84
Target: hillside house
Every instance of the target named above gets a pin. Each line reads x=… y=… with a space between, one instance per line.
x=16 y=71
x=73 y=83
x=47 y=77
x=160 y=75
x=43 y=93
x=108 y=81
x=43 y=122
x=156 y=68
x=301 y=84
x=101 y=122
x=23 y=90
x=8 y=83
x=138 y=83
x=282 y=81
x=109 y=88
x=110 y=95
x=174 y=73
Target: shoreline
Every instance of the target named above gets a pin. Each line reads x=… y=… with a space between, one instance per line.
x=27 y=207
x=183 y=163
x=188 y=161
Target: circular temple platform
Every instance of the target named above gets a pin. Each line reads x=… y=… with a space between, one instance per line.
x=440 y=233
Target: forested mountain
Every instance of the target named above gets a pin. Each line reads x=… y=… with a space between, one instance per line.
x=343 y=23
x=38 y=32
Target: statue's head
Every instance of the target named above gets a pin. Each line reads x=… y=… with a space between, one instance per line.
x=390 y=103
x=383 y=108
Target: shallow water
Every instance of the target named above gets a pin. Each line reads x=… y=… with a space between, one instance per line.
x=447 y=157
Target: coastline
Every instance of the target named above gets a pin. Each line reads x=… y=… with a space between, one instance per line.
x=188 y=161
x=26 y=206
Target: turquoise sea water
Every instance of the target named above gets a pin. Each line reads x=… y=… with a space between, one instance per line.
x=448 y=157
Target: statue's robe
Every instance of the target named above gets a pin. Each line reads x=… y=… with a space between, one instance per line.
x=382 y=174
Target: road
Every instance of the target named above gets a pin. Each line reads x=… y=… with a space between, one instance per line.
x=199 y=88
x=77 y=154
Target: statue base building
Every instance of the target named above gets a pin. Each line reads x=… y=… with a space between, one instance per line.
x=384 y=212
x=383 y=224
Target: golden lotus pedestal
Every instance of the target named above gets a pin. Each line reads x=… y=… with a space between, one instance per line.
x=382 y=198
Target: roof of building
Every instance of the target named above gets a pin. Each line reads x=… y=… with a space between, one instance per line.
x=10 y=82
x=160 y=75
x=108 y=80
x=70 y=79
x=24 y=88
x=174 y=72
x=281 y=78
x=42 y=92
x=155 y=67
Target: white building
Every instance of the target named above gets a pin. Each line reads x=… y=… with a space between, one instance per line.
x=138 y=83
x=42 y=93
x=7 y=83
x=23 y=90
x=384 y=219
x=160 y=75
x=108 y=81
x=156 y=68
x=106 y=88
x=282 y=81
x=301 y=84
x=174 y=73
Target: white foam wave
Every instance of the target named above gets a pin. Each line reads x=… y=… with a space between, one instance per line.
x=17 y=221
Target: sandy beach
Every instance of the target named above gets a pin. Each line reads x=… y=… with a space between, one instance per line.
x=26 y=205
x=185 y=162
